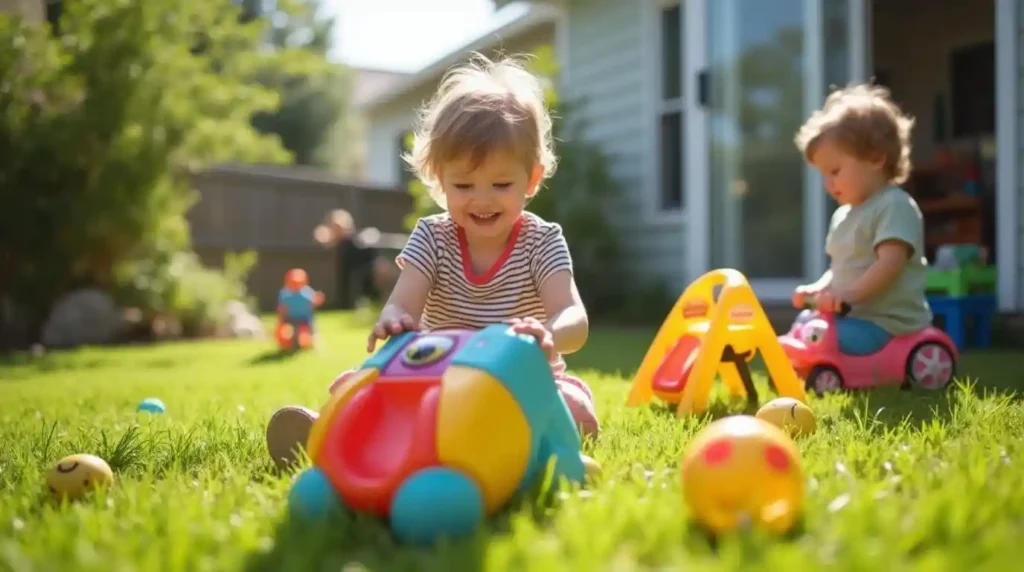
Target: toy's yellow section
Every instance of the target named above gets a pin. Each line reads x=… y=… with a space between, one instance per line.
x=733 y=318
x=731 y=379
x=342 y=394
x=689 y=315
x=472 y=403
x=737 y=319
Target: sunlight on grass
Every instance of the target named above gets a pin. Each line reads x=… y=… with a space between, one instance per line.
x=895 y=479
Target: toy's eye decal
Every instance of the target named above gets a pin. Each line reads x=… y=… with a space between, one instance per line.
x=717 y=453
x=776 y=458
x=814 y=331
x=427 y=350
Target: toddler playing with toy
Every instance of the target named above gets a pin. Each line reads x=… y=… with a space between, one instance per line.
x=860 y=142
x=483 y=148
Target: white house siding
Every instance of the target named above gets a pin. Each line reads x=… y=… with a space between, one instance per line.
x=1019 y=128
x=385 y=125
x=391 y=119
x=32 y=10
x=606 y=61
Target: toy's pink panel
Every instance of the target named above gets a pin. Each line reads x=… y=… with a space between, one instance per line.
x=428 y=355
x=888 y=367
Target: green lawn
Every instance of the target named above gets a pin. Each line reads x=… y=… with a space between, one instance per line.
x=895 y=480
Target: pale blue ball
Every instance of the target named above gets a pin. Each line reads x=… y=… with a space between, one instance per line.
x=152 y=405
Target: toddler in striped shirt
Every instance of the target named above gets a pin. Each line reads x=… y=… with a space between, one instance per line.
x=483 y=148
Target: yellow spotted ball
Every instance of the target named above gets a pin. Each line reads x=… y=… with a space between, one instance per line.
x=790 y=415
x=741 y=470
x=75 y=476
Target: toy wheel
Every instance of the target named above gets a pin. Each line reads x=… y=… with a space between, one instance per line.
x=824 y=379
x=931 y=366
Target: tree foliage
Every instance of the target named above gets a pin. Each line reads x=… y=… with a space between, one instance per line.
x=100 y=127
x=313 y=121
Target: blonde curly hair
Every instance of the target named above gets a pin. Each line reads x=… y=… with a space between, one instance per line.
x=865 y=122
x=482 y=107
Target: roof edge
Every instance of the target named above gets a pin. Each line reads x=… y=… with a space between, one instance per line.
x=537 y=15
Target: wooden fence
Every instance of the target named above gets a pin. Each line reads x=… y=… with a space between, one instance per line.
x=273 y=210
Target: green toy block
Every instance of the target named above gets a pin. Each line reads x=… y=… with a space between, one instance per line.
x=962 y=281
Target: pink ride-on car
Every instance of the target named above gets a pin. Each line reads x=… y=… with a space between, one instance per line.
x=925 y=359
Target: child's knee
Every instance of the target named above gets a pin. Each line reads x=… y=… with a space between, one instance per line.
x=577 y=383
x=580 y=400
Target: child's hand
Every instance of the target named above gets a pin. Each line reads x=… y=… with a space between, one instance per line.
x=390 y=324
x=800 y=296
x=828 y=301
x=535 y=328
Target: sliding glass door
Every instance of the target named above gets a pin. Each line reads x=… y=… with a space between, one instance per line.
x=761 y=68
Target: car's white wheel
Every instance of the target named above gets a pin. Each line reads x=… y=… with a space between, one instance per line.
x=824 y=379
x=931 y=366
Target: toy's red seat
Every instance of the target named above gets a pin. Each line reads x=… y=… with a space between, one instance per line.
x=386 y=432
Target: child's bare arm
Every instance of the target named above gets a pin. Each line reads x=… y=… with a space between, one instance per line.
x=567 y=317
x=891 y=257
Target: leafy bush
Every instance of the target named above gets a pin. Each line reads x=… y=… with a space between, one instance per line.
x=100 y=128
x=313 y=120
x=175 y=285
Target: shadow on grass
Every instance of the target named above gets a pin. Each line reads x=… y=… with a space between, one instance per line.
x=720 y=405
x=24 y=365
x=362 y=543
x=273 y=356
x=892 y=406
x=351 y=540
x=984 y=373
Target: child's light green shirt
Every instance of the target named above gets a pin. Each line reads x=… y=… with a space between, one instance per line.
x=855 y=232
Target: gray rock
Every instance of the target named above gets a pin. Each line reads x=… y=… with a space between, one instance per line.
x=87 y=316
x=242 y=323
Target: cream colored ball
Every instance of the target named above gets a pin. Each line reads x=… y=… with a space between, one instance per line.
x=74 y=476
x=790 y=415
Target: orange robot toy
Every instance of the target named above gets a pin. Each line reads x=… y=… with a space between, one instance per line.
x=437 y=431
x=296 y=305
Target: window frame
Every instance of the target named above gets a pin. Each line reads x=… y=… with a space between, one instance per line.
x=655 y=204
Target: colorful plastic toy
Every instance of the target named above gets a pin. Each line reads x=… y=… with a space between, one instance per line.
x=790 y=415
x=296 y=304
x=743 y=470
x=437 y=431
x=707 y=334
x=925 y=359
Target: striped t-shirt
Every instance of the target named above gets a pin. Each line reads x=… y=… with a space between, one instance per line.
x=460 y=298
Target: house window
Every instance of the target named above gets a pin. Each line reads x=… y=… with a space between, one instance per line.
x=670 y=109
x=973 y=80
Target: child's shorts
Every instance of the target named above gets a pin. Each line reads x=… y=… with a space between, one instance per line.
x=574 y=391
x=860 y=337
